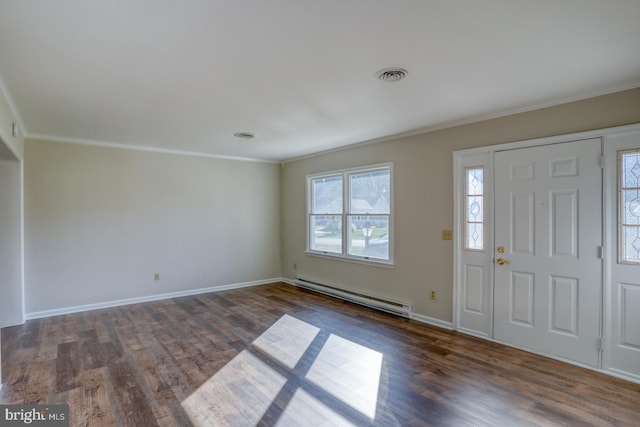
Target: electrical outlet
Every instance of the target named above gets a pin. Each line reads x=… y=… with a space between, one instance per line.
x=156 y=276
x=295 y=266
x=447 y=234
x=433 y=295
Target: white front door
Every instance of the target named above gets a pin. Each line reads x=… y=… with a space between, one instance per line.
x=548 y=238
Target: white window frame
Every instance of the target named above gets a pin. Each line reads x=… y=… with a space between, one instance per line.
x=346 y=213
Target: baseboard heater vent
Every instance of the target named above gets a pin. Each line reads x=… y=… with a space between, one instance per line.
x=393 y=307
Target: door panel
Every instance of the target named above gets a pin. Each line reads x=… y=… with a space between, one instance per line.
x=548 y=216
x=630 y=316
x=564 y=305
x=522 y=223
x=474 y=289
x=564 y=227
x=521 y=301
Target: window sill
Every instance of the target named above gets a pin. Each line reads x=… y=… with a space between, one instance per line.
x=356 y=260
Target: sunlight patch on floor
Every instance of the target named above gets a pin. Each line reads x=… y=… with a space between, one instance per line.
x=349 y=372
x=287 y=340
x=237 y=395
x=306 y=410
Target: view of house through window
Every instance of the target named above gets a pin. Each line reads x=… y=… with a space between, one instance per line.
x=629 y=206
x=350 y=213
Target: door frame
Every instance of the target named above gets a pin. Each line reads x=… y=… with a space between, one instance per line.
x=461 y=160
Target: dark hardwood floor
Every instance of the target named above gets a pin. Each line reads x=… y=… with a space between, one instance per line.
x=278 y=355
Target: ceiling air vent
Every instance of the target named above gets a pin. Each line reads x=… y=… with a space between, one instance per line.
x=391 y=75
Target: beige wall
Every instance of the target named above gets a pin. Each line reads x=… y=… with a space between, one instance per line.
x=423 y=169
x=11 y=310
x=99 y=222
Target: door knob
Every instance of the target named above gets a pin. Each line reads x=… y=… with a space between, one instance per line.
x=502 y=261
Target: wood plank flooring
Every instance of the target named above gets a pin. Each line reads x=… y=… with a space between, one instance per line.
x=278 y=355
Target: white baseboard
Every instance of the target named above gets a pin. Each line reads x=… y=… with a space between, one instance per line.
x=431 y=321
x=149 y=298
x=622 y=375
x=473 y=333
x=13 y=322
x=117 y=303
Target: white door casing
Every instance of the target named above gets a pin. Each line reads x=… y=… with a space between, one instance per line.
x=548 y=219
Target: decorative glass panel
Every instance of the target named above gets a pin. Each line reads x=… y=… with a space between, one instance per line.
x=631 y=244
x=474 y=209
x=475 y=181
x=474 y=236
x=629 y=206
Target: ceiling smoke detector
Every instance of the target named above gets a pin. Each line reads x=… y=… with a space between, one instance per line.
x=391 y=75
x=244 y=135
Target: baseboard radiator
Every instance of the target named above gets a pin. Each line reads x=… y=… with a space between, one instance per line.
x=393 y=307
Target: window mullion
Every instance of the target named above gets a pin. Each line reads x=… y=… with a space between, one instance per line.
x=346 y=196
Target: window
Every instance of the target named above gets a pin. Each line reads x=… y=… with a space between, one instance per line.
x=350 y=214
x=474 y=209
x=629 y=206
x=325 y=220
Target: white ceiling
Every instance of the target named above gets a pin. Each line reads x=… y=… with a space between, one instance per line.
x=186 y=75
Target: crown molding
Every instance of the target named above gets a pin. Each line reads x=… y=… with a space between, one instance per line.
x=104 y=144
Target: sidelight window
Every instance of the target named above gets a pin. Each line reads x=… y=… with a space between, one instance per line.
x=474 y=209
x=629 y=206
